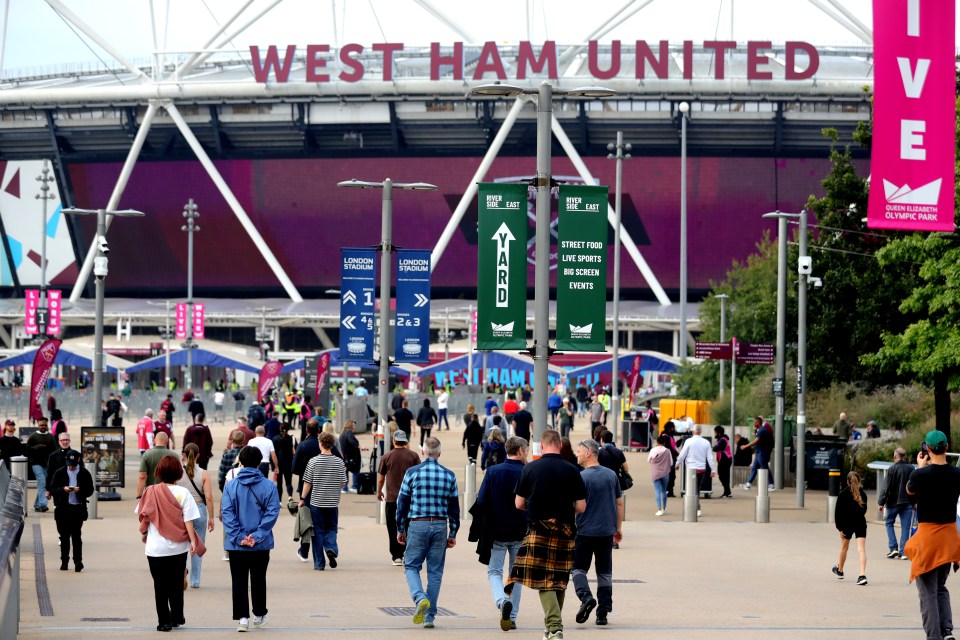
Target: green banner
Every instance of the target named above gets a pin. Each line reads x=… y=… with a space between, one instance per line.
x=582 y=269
x=502 y=270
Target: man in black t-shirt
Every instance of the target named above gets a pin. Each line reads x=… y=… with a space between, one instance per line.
x=935 y=486
x=552 y=492
x=521 y=422
x=404 y=419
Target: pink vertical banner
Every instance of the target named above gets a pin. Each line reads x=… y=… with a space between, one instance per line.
x=55 y=304
x=914 y=116
x=323 y=365
x=268 y=375
x=43 y=361
x=180 y=324
x=473 y=327
x=198 y=310
x=31 y=303
x=635 y=375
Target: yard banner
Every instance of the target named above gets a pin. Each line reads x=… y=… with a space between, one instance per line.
x=104 y=447
x=323 y=365
x=502 y=267
x=912 y=166
x=198 y=320
x=31 y=304
x=413 y=306
x=635 y=375
x=42 y=363
x=582 y=268
x=55 y=303
x=180 y=325
x=357 y=288
x=268 y=375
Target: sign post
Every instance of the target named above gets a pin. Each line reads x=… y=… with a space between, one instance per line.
x=413 y=306
x=357 y=286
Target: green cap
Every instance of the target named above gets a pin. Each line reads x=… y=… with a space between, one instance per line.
x=936 y=439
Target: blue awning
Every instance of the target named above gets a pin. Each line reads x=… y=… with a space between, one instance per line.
x=201 y=358
x=68 y=356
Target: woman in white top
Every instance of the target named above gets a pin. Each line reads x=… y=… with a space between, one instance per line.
x=200 y=488
x=168 y=536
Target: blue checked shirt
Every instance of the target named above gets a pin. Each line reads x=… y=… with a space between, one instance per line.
x=429 y=490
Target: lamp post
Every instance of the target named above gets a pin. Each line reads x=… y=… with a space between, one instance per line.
x=166 y=335
x=44 y=179
x=684 y=109
x=543 y=183
x=723 y=338
x=100 y=269
x=191 y=214
x=804 y=267
x=620 y=148
x=261 y=335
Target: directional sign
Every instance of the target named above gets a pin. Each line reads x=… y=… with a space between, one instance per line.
x=712 y=350
x=502 y=267
x=357 y=284
x=582 y=268
x=413 y=306
x=750 y=353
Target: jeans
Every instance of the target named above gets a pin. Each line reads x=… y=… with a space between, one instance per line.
x=660 y=489
x=426 y=541
x=41 y=473
x=585 y=549
x=248 y=568
x=200 y=526
x=167 y=572
x=325 y=520
x=935 y=601
x=760 y=461
x=905 y=512
x=396 y=549
x=495 y=574
x=552 y=603
x=442 y=418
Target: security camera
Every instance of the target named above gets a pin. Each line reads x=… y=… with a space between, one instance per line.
x=816 y=282
x=805 y=265
x=100 y=266
x=102 y=245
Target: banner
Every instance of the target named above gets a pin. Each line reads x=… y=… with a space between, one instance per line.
x=912 y=166
x=103 y=446
x=635 y=375
x=42 y=363
x=31 y=304
x=357 y=288
x=582 y=268
x=55 y=304
x=180 y=325
x=322 y=367
x=268 y=375
x=502 y=267
x=413 y=306
x=198 y=323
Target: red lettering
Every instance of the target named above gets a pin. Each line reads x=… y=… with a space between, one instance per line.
x=812 y=54
x=346 y=53
x=719 y=48
x=261 y=69
x=548 y=58
x=489 y=61
x=388 y=49
x=687 y=59
x=437 y=60
x=594 y=63
x=755 y=60
x=315 y=62
x=660 y=66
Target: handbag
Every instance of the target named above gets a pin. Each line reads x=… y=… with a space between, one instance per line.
x=626 y=480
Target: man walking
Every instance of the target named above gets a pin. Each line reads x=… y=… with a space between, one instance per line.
x=150 y=460
x=522 y=420
x=40 y=445
x=599 y=527
x=428 y=517
x=443 y=401
x=322 y=482
x=199 y=434
x=935 y=486
x=698 y=454
x=504 y=525
x=145 y=431
x=404 y=419
x=393 y=467
x=164 y=425
x=70 y=487
x=893 y=496
x=552 y=492
x=242 y=427
x=267 y=452
x=598 y=417
x=763 y=441
x=58 y=458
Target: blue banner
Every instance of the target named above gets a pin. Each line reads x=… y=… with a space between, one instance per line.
x=358 y=270
x=413 y=306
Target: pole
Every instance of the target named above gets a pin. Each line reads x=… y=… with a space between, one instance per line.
x=98 y=322
x=470 y=344
x=691 y=497
x=386 y=246
x=615 y=373
x=763 y=496
x=446 y=334
x=166 y=360
x=44 y=179
x=684 y=107
x=541 y=327
x=781 y=346
x=190 y=213
x=802 y=368
x=91 y=468
x=723 y=338
x=733 y=400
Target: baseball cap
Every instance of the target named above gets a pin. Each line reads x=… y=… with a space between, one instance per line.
x=72 y=458
x=936 y=439
x=399 y=436
x=10 y=423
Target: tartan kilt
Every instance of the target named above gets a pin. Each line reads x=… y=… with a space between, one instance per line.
x=545 y=558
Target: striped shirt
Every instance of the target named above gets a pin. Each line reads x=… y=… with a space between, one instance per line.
x=429 y=490
x=326 y=475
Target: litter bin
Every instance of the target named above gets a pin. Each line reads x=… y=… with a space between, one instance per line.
x=823 y=453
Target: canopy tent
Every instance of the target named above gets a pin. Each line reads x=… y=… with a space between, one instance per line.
x=201 y=358
x=601 y=371
x=72 y=357
x=503 y=367
x=298 y=364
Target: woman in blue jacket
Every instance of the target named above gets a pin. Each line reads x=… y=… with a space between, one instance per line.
x=250 y=508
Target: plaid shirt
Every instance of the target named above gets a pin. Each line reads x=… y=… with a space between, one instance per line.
x=429 y=490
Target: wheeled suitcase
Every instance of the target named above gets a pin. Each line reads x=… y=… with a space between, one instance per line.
x=368 y=483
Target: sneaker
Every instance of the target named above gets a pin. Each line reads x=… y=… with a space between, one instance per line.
x=513 y=625
x=862 y=580
x=421 y=613
x=837 y=572
x=301 y=557
x=554 y=635
x=506 y=608
x=397 y=562
x=745 y=486
x=659 y=513
x=903 y=557
x=728 y=496
x=64 y=565
x=332 y=558
x=947 y=634
x=893 y=554
x=770 y=487
x=586 y=608
x=226 y=558
x=428 y=624
x=601 y=618
x=243 y=625
x=699 y=513
x=259 y=621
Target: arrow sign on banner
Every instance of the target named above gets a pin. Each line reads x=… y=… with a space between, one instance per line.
x=349 y=296
x=357 y=282
x=348 y=322
x=503 y=237
x=412 y=342
x=422 y=300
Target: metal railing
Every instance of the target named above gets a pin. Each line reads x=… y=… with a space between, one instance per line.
x=12 y=495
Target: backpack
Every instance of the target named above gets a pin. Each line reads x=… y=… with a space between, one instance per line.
x=654 y=419
x=238 y=396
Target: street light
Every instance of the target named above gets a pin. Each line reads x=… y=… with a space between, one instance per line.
x=191 y=214
x=723 y=338
x=166 y=335
x=620 y=156
x=544 y=181
x=42 y=316
x=100 y=269
x=804 y=268
x=684 y=109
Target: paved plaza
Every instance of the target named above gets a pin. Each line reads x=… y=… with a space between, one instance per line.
x=723 y=577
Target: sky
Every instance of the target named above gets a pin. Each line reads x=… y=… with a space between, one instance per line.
x=36 y=36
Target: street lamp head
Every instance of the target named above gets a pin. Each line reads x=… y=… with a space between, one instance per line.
x=588 y=92
x=721 y=296
x=360 y=184
x=684 y=107
x=497 y=90
x=780 y=214
x=415 y=186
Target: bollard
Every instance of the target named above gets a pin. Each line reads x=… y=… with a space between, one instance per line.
x=18 y=468
x=833 y=490
x=470 y=490
x=691 y=498
x=91 y=468
x=763 y=496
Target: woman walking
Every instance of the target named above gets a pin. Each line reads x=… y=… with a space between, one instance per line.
x=661 y=462
x=724 y=459
x=167 y=513
x=494 y=451
x=851 y=520
x=200 y=488
x=426 y=418
x=472 y=437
